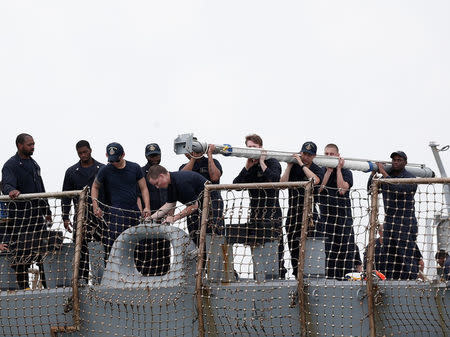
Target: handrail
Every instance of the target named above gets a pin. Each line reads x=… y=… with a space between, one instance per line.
x=42 y=195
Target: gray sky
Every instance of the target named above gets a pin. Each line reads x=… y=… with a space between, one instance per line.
x=372 y=77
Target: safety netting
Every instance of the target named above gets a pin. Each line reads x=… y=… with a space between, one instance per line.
x=269 y=259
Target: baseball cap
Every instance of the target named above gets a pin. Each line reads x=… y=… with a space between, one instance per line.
x=309 y=147
x=152 y=148
x=114 y=151
x=399 y=153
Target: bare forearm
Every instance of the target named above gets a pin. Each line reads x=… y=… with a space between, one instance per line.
x=326 y=177
x=214 y=172
x=310 y=174
x=146 y=198
x=285 y=177
x=185 y=212
x=94 y=194
x=341 y=183
x=163 y=211
x=189 y=166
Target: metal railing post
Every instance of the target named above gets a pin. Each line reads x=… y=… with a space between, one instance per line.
x=81 y=219
x=301 y=258
x=370 y=255
x=201 y=250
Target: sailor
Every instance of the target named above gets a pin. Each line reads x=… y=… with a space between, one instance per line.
x=400 y=223
x=77 y=177
x=120 y=180
x=303 y=170
x=152 y=253
x=379 y=255
x=208 y=167
x=443 y=268
x=380 y=258
x=186 y=187
x=27 y=225
x=265 y=210
x=158 y=197
x=335 y=206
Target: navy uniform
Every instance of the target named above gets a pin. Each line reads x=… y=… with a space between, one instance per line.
x=400 y=225
x=265 y=212
x=295 y=212
x=264 y=204
x=76 y=178
x=201 y=166
x=187 y=187
x=379 y=256
x=26 y=226
x=336 y=218
x=151 y=254
x=121 y=194
x=158 y=197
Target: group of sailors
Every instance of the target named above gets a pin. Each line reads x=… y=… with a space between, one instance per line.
x=122 y=193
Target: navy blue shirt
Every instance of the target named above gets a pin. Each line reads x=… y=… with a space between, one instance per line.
x=296 y=195
x=201 y=166
x=23 y=175
x=158 y=196
x=120 y=185
x=185 y=186
x=76 y=178
x=379 y=256
x=398 y=200
x=331 y=201
x=264 y=203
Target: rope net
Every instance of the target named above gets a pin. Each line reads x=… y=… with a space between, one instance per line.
x=36 y=262
x=284 y=259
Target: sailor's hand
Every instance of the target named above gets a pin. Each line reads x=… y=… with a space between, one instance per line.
x=299 y=158
x=169 y=219
x=381 y=169
x=98 y=212
x=341 y=163
x=250 y=163
x=146 y=213
x=14 y=194
x=3 y=247
x=263 y=156
x=211 y=149
x=68 y=226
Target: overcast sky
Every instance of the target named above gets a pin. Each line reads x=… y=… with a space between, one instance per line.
x=371 y=76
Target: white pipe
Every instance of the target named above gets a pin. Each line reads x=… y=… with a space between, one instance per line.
x=326 y=161
x=186 y=143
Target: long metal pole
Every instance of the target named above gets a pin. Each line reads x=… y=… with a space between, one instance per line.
x=42 y=195
x=364 y=165
x=187 y=143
